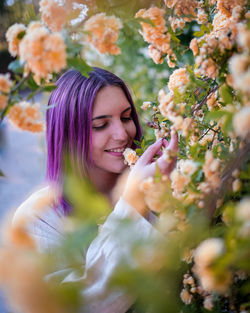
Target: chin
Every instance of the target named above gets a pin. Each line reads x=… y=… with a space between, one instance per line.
x=118 y=169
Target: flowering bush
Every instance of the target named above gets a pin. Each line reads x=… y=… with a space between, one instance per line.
x=203 y=209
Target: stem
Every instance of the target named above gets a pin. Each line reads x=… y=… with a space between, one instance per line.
x=204 y=100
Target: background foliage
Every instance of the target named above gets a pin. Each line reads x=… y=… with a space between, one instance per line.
x=194 y=79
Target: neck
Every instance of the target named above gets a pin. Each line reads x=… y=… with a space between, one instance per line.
x=103 y=181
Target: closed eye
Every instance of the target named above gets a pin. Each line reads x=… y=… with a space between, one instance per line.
x=126 y=119
x=100 y=127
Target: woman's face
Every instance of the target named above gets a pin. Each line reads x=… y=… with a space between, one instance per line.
x=113 y=129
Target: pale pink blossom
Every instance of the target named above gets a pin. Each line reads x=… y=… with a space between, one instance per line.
x=12 y=36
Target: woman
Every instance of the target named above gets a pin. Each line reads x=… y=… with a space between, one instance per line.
x=94 y=120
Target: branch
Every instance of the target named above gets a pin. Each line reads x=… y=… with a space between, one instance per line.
x=239 y=159
x=204 y=100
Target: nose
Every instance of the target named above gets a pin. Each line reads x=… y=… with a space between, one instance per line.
x=119 y=132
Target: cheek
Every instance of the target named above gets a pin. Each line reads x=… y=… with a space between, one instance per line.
x=97 y=142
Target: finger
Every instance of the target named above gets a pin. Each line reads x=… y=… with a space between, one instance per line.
x=165 y=143
x=151 y=152
x=173 y=145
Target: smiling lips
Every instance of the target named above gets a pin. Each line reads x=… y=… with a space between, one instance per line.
x=116 y=152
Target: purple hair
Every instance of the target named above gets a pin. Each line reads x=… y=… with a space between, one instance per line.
x=69 y=122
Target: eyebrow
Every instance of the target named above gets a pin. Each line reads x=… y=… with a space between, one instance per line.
x=108 y=116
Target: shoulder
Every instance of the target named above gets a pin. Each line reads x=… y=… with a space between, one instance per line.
x=42 y=222
x=34 y=205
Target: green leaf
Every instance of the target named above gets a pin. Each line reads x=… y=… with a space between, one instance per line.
x=1 y=174
x=174 y=38
x=213 y=115
x=49 y=87
x=139 y=151
x=80 y=65
x=21 y=34
x=198 y=34
x=226 y=93
x=145 y=20
x=16 y=67
x=32 y=84
x=138 y=143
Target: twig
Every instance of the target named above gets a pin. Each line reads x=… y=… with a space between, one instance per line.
x=199 y=105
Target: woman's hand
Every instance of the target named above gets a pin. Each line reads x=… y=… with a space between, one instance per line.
x=146 y=167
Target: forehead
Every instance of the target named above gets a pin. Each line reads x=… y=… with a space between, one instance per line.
x=110 y=100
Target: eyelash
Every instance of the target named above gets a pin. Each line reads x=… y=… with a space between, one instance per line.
x=124 y=119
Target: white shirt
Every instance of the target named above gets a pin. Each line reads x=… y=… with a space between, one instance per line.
x=104 y=255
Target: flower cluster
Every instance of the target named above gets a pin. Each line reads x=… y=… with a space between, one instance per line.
x=185 y=10
x=209 y=48
x=26 y=117
x=103 y=33
x=181 y=177
x=43 y=52
x=154 y=193
x=191 y=289
x=226 y=7
x=5 y=86
x=156 y=35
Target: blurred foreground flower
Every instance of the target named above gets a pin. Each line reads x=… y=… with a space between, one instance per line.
x=205 y=255
x=241 y=122
x=26 y=117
